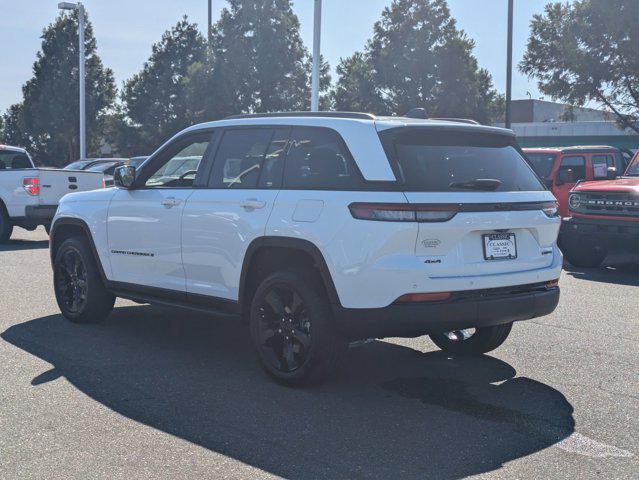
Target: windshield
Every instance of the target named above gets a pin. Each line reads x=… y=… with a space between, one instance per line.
x=541 y=163
x=79 y=165
x=431 y=160
x=106 y=167
x=11 y=160
x=633 y=168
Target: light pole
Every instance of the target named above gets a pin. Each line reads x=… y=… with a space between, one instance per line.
x=317 y=34
x=80 y=9
x=210 y=20
x=509 y=62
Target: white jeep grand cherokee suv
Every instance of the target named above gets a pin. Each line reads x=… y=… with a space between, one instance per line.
x=321 y=229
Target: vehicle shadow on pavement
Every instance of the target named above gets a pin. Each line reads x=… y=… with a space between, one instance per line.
x=393 y=412
x=617 y=273
x=23 y=245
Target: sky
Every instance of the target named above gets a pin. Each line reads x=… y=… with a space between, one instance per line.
x=126 y=29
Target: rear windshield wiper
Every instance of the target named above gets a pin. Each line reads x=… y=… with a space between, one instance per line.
x=487 y=184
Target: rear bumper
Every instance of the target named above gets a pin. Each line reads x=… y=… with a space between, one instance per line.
x=40 y=214
x=478 y=308
x=614 y=235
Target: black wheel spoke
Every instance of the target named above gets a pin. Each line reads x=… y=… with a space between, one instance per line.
x=289 y=355
x=284 y=329
x=267 y=334
x=274 y=301
x=302 y=337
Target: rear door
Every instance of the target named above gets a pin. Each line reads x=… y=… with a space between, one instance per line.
x=481 y=205
x=221 y=220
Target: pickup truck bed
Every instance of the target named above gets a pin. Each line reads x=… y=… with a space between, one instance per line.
x=29 y=196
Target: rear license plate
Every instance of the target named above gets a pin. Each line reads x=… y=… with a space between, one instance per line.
x=500 y=246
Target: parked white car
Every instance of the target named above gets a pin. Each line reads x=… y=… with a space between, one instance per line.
x=320 y=229
x=29 y=196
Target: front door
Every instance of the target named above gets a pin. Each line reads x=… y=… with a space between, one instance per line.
x=221 y=221
x=144 y=222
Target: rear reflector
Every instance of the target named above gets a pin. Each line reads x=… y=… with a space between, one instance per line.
x=404 y=212
x=31 y=185
x=423 y=297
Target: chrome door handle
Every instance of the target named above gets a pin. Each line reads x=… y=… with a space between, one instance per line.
x=252 y=204
x=170 y=202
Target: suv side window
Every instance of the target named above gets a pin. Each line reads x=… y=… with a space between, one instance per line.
x=578 y=166
x=239 y=157
x=178 y=165
x=318 y=159
x=600 y=164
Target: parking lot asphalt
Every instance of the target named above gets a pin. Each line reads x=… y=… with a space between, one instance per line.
x=159 y=393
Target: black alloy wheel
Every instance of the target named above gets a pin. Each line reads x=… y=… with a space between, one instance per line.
x=293 y=328
x=79 y=289
x=284 y=329
x=71 y=281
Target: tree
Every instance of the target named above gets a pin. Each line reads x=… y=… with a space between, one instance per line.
x=47 y=120
x=587 y=51
x=155 y=101
x=417 y=58
x=261 y=64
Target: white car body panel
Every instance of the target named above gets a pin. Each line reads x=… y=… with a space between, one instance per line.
x=91 y=208
x=144 y=232
x=218 y=225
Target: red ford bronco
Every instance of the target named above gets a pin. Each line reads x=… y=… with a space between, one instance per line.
x=562 y=167
x=604 y=218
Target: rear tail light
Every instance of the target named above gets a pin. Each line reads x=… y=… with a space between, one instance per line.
x=404 y=212
x=550 y=209
x=423 y=297
x=31 y=185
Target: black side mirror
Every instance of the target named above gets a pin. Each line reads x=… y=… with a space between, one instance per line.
x=611 y=173
x=124 y=176
x=565 y=176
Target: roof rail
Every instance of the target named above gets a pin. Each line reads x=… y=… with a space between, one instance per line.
x=457 y=120
x=353 y=115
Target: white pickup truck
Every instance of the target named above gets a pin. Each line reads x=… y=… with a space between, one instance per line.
x=29 y=196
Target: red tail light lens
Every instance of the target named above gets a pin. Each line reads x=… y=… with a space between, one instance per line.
x=404 y=212
x=31 y=185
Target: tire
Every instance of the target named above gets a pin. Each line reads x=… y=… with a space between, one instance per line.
x=584 y=256
x=6 y=227
x=47 y=228
x=293 y=330
x=483 y=340
x=79 y=291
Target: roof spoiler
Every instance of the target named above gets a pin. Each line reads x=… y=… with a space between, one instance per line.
x=420 y=113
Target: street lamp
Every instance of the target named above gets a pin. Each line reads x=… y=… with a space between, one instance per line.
x=509 y=65
x=80 y=9
x=317 y=33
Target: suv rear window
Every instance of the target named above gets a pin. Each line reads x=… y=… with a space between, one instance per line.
x=431 y=160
